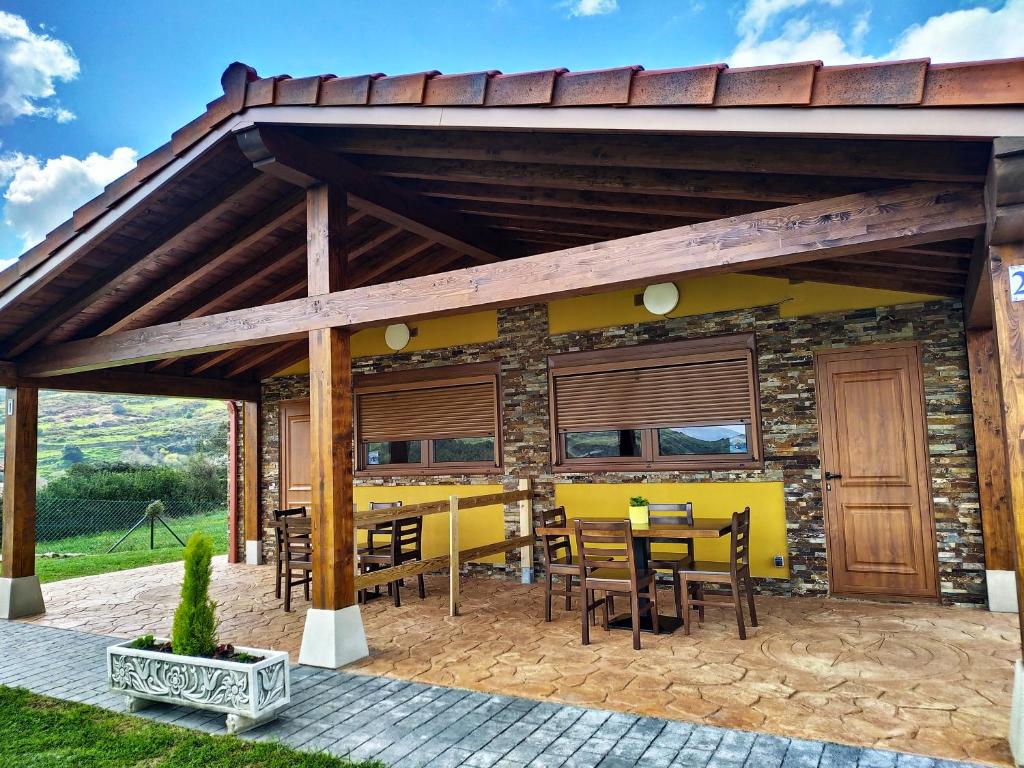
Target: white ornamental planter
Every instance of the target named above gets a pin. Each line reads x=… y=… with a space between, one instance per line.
x=249 y=694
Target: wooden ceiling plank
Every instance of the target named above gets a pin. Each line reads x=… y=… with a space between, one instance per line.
x=903 y=260
x=279 y=152
x=625 y=221
x=909 y=160
x=855 y=279
x=173 y=232
x=392 y=261
x=822 y=230
x=256 y=227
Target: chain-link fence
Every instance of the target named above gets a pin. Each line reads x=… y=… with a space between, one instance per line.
x=97 y=526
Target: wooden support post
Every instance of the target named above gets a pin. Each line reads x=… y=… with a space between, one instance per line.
x=251 y=483
x=526 y=529
x=1008 y=317
x=993 y=481
x=453 y=555
x=19 y=586
x=333 y=634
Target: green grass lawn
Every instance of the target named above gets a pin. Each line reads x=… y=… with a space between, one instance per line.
x=40 y=732
x=133 y=553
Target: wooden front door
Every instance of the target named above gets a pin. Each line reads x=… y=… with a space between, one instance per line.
x=296 y=469
x=874 y=466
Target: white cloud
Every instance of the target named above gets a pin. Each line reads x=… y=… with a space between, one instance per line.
x=42 y=195
x=963 y=35
x=973 y=33
x=592 y=7
x=30 y=64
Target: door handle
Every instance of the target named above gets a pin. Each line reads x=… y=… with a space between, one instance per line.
x=833 y=476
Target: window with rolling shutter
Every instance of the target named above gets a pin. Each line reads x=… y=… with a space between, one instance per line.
x=687 y=404
x=447 y=420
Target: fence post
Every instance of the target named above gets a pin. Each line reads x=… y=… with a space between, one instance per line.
x=453 y=555
x=526 y=529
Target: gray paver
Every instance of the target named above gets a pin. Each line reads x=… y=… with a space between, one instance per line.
x=413 y=725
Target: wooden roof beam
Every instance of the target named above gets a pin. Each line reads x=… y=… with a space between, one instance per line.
x=825 y=229
x=278 y=152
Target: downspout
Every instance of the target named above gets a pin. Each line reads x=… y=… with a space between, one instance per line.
x=232 y=481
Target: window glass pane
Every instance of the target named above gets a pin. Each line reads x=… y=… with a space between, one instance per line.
x=595 y=445
x=464 y=449
x=710 y=440
x=396 y=452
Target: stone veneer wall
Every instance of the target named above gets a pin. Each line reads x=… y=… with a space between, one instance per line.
x=786 y=371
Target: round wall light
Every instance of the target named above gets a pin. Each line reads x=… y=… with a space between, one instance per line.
x=661 y=298
x=397 y=336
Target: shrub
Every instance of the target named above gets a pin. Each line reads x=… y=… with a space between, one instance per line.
x=72 y=454
x=638 y=501
x=195 y=626
x=198 y=483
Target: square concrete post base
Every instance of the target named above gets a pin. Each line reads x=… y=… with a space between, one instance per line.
x=20 y=597
x=333 y=639
x=1017 y=714
x=254 y=552
x=1002 y=591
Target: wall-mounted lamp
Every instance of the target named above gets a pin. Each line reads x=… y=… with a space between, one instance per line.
x=661 y=298
x=397 y=336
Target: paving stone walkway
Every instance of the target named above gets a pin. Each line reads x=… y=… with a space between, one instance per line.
x=414 y=725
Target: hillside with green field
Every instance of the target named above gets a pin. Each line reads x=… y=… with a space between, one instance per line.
x=78 y=426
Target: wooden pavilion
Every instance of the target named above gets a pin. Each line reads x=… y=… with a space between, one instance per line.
x=295 y=212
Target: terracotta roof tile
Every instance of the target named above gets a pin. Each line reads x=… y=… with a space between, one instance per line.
x=346 y=91
x=781 y=84
x=522 y=88
x=234 y=82
x=260 y=92
x=299 y=91
x=975 y=83
x=687 y=86
x=400 y=89
x=189 y=134
x=886 y=84
x=601 y=86
x=465 y=90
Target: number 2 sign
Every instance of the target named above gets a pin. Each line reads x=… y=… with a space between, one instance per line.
x=1017 y=283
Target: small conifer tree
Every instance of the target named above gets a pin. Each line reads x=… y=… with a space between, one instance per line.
x=195 y=627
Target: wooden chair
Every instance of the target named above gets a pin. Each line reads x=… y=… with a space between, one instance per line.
x=297 y=551
x=718 y=573
x=557 y=561
x=405 y=545
x=607 y=564
x=279 y=515
x=379 y=530
x=667 y=560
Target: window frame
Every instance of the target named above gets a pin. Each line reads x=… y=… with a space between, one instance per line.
x=653 y=355
x=427 y=378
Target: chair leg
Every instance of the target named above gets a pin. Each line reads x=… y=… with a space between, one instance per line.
x=700 y=596
x=422 y=587
x=677 y=590
x=605 y=616
x=739 y=610
x=397 y=595
x=634 y=604
x=287 y=591
x=277 y=576
x=585 y=614
x=548 y=586
x=305 y=589
x=655 y=623
x=750 y=600
x=687 y=618
x=568 y=597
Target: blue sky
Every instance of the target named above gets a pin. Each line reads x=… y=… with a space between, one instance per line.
x=84 y=87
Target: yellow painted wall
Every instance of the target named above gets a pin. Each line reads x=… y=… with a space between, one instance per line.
x=711 y=499
x=434 y=333
x=721 y=293
x=477 y=527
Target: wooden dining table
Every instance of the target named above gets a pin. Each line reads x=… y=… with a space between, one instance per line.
x=705 y=528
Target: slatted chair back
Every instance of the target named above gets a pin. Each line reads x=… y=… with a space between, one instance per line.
x=380 y=529
x=297 y=554
x=605 y=544
x=739 y=553
x=406 y=539
x=683 y=516
x=557 y=547
x=279 y=515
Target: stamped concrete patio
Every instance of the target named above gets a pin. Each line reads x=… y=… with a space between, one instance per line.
x=917 y=678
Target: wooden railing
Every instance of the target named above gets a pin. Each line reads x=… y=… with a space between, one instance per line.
x=456 y=556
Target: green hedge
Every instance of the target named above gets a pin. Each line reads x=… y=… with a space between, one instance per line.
x=198 y=483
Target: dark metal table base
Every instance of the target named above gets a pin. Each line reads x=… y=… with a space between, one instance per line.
x=667 y=624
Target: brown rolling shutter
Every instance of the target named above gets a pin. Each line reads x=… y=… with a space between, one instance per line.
x=427 y=413
x=702 y=392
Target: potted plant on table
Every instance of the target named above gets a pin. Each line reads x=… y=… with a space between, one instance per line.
x=638 y=512
x=249 y=685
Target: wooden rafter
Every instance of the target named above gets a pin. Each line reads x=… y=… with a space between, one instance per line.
x=822 y=230
x=169 y=235
x=278 y=152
